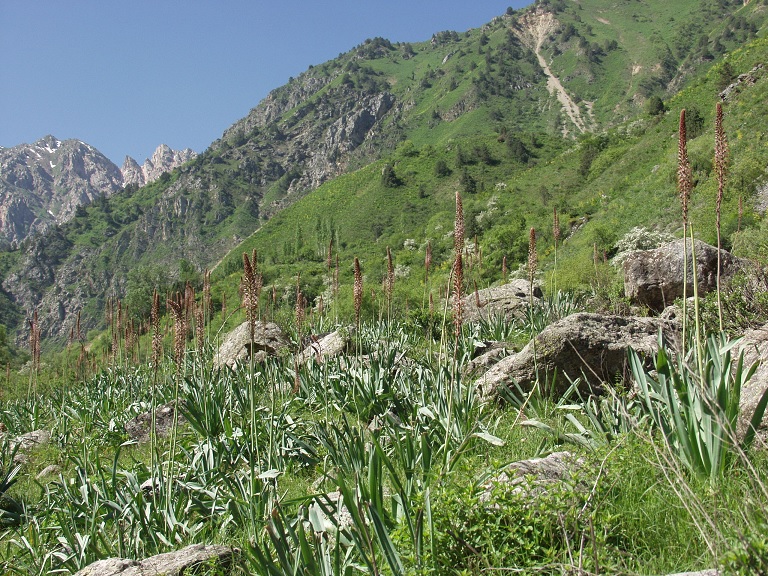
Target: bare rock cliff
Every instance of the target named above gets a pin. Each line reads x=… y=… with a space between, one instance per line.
x=163 y=160
x=43 y=183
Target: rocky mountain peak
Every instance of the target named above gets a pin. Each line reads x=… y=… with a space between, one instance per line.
x=43 y=183
x=164 y=159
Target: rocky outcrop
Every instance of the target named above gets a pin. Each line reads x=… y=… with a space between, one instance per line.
x=42 y=184
x=268 y=340
x=163 y=160
x=744 y=80
x=509 y=301
x=654 y=278
x=176 y=563
x=320 y=139
x=587 y=346
x=132 y=172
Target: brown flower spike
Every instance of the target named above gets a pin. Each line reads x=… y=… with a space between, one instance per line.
x=684 y=172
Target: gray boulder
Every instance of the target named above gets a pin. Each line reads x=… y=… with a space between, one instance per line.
x=509 y=301
x=328 y=346
x=139 y=428
x=533 y=477
x=654 y=278
x=590 y=346
x=268 y=340
x=175 y=563
x=490 y=354
x=755 y=348
x=31 y=440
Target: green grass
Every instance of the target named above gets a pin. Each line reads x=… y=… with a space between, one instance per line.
x=391 y=422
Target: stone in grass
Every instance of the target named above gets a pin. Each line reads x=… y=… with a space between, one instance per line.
x=589 y=346
x=50 y=470
x=268 y=340
x=489 y=354
x=509 y=301
x=755 y=349
x=711 y=572
x=139 y=428
x=327 y=346
x=26 y=442
x=176 y=563
x=533 y=477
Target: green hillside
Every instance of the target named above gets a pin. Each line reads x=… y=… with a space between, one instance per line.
x=396 y=450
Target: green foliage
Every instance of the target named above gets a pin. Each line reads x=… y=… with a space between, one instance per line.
x=388 y=177
x=744 y=301
x=749 y=555
x=501 y=524
x=694 y=401
x=655 y=106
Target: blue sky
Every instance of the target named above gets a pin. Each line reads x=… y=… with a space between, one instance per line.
x=127 y=76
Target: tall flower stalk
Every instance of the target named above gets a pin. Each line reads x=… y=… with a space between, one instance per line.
x=458 y=266
x=157 y=351
x=250 y=286
x=357 y=292
x=389 y=285
x=721 y=169
x=427 y=265
x=684 y=187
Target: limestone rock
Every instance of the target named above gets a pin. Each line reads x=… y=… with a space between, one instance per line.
x=755 y=348
x=50 y=470
x=327 y=346
x=748 y=79
x=654 y=278
x=590 y=346
x=139 y=428
x=163 y=160
x=534 y=476
x=31 y=440
x=170 y=564
x=509 y=301
x=490 y=354
x=269 y=340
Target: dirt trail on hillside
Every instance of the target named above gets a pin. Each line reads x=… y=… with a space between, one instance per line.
x=535 y=28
